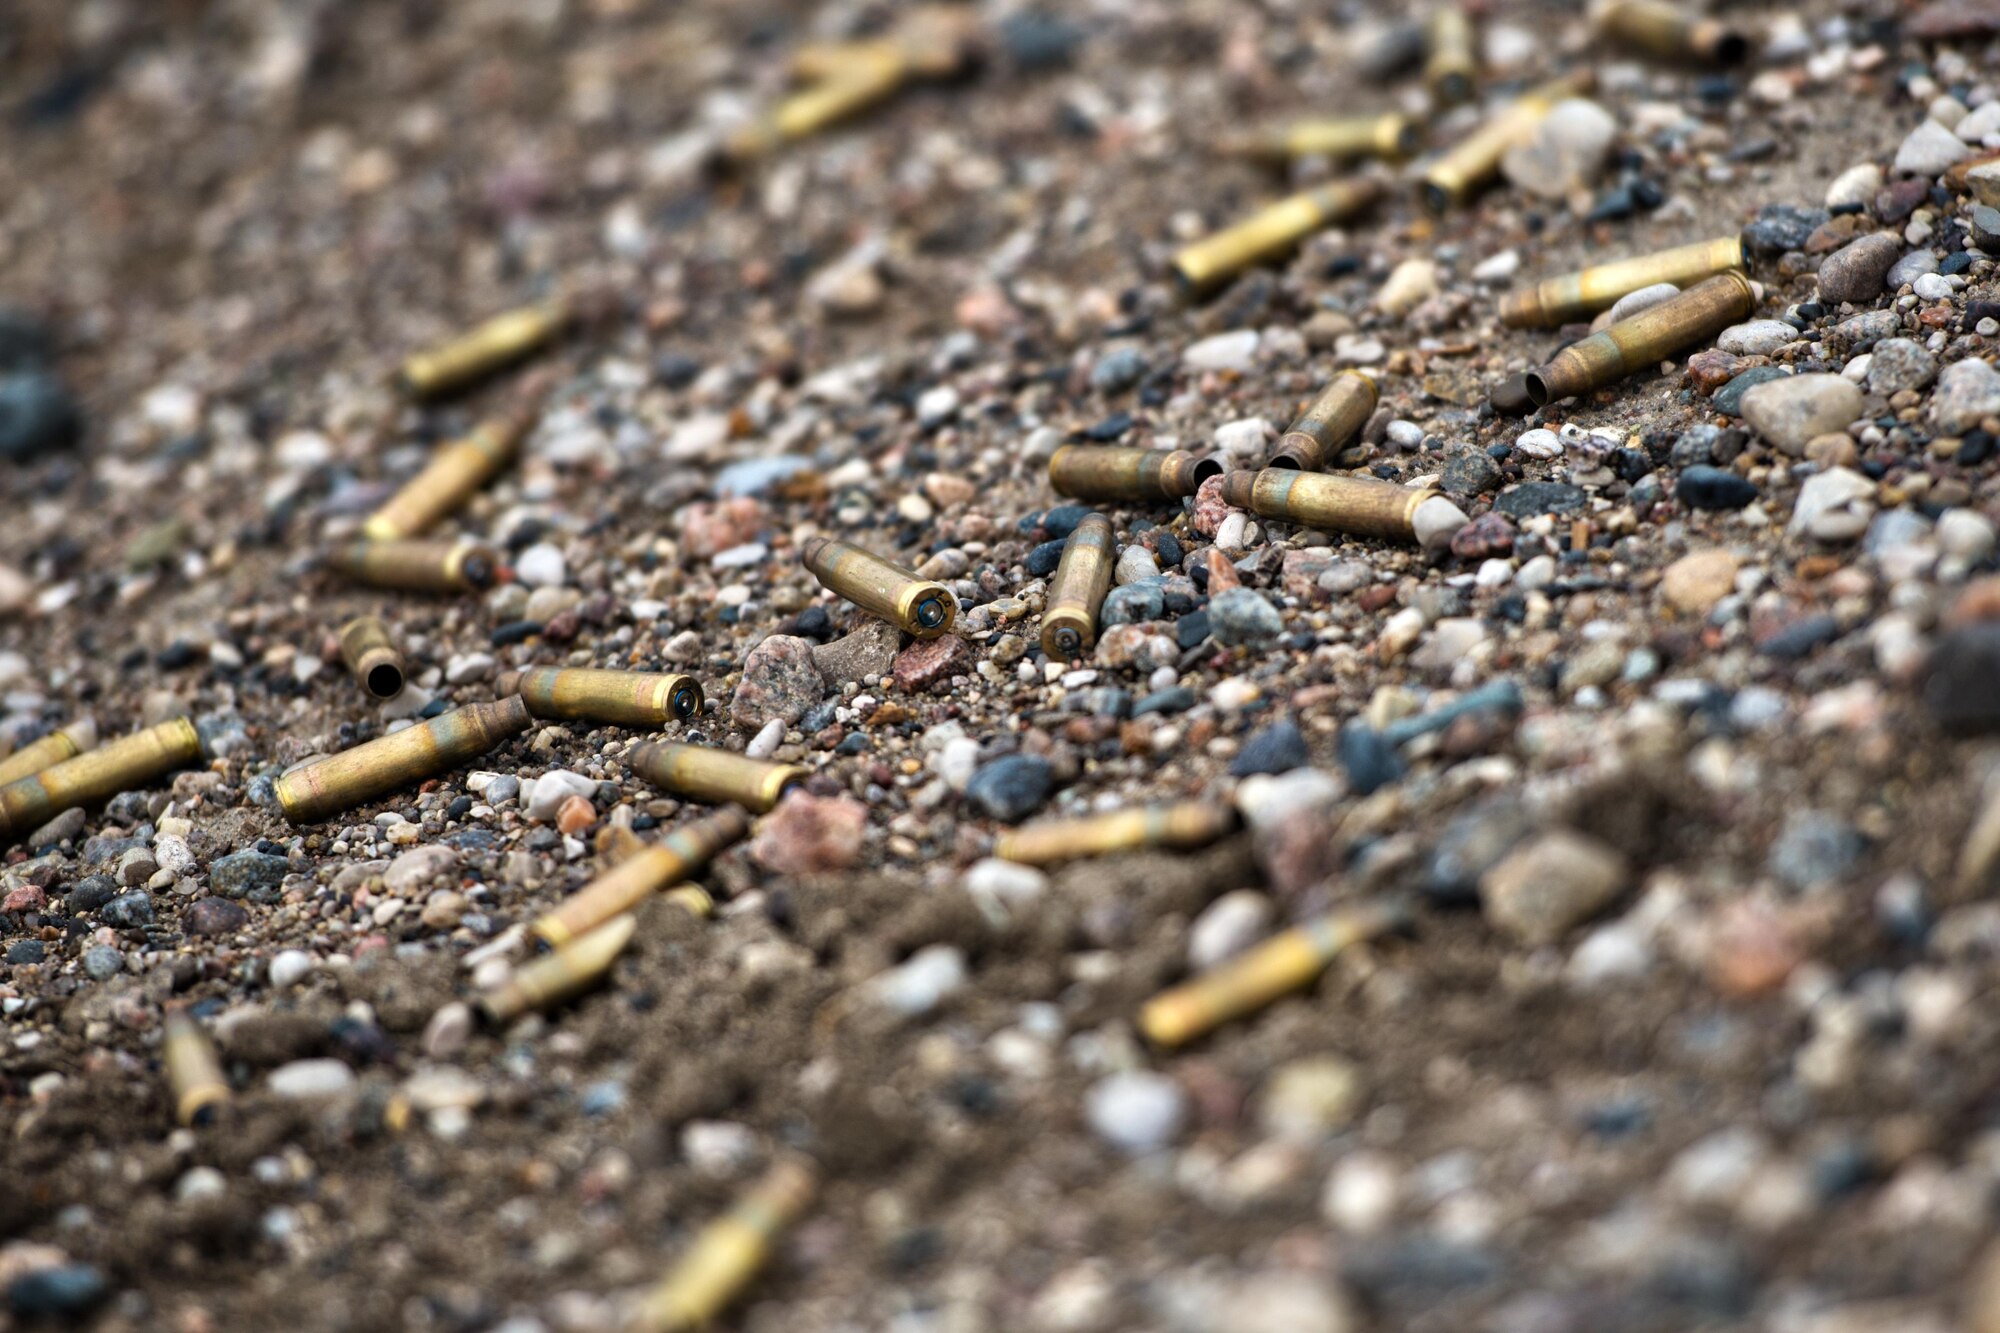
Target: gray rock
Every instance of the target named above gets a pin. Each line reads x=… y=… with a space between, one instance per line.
x=1967 y=391
x=780 y=679
x=1469 y=472
x=1645 y=298
x=214 y=916
x=1856 y=271
x=1898 y=364
x=129 y=910
x=546 y=797
x=1550 y=883
x=1930 y=150
x=1791 y=411
x=870 y=650
x=420 y=865
x=103 y=962
x=1134 y=604
x=65 y=827
x=1118 y=369
x=235 y=875
x=1862 y=331
x=1011 y=787
x=1909 y=268
x=1815 y=848
x=1760 y=337
x=1243 y=616
x=1836 y=491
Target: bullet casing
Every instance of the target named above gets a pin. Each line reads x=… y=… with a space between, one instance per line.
x=372 y=657
x=571 y=970
x=1329 y=425
x=1391 y=136
x=673 y=859
x=194 y=1071
x=1466 y=168
x=730 y=1251
x=64 y=743
x=595 y=694
x=846 y=80
x=455 y=472
x=1449 y=63
x=1644 y=340
x=1668 y=32
x=881 y=587
x=1183 y=825
x=1069 y=624
x=715 y=777
x=1330 y=501
x=1107 y=472
x=322 y=788
x=417 y=566
x=121 y=765
x=1288 y=961
x=487 y=349
x=1577 y=296
x=1272 y=232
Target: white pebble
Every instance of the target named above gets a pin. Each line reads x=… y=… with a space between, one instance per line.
x=1228 y=926
x=922 y=982
x=1437 y=521
x=1539 y=443
x=289 y=968
x=1137 y=1111
x=1225 y=351
x=765 y=743
x=305 y=1079
x=541 y=566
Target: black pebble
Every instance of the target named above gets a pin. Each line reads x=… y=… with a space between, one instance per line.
x=1712 y=488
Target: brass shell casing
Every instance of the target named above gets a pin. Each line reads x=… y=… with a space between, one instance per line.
x=1329 y=501
x=1184 y=824
x=596 y=694
x=194 y=1071
x=730 y=1250
x=1646 y=339
x=63 y=743
x=1083 y=577
x=716 y=777
x=847 y=80
x=121 y=765
x=881 y=587
x=1391 y=136
x=1465 y=169
x=1450 y=65
x=372 y=657
x=1577 y=296
x=1107 y=472
x=1286 y=962
x=1272 y=232
x=638 y=877
x=417 y=566
x=485 y=350
x=553 y=978
x=1668 y=32
x=1329 y=425
x=456 y=470
x=322 y=788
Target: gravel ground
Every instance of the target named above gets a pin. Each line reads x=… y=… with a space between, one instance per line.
x=1673 y=744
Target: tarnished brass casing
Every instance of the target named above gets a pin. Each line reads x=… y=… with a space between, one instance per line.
x=680 y=854
x=716 y=777
x=1668 y=32
x=596 y=694
x=1329 y=501
x=121 y=765
x=1465 y=169
x=491 y=347
x=881 y=587
x=1578 y=296
x=322 y=788
x=847 y=81
x=1286 y=962
x=417 y=566
x=1329 y=425
x=1450 y=65
x=1107 y=472
x=63 y=743
x=1069 y=624
x=1272 y=232
x=456 y=470
x=1391 y=136
x=730 y=1250
x=194 y=1071
x=568 y=972
x=1184 y=824
x=1644 y=340
x=372 y=656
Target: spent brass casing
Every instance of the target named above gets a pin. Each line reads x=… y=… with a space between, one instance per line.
x=1670 y=33
x=1271 y=233
x=1577 y=296
x=595 y=694
x=1288 y=961
x=553 y=978
x=848 y=79
x=121 y=765
x=417 y=566
x=1391 y=136
x=1330 y=501
x=194 y=1071
x=1107 y=472
x=372 y=656
x=457 y=470
x=1465 y=169
x=1184 y=824
x=1329 y=425
x=1083 y=577
x=715 y=777
x=1450 y=65
x=491 y=347
x=638 y=877
x=64 y=743
x=1646 y=339
x=322 y=788
x=730 y=1250
x=880 y=586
